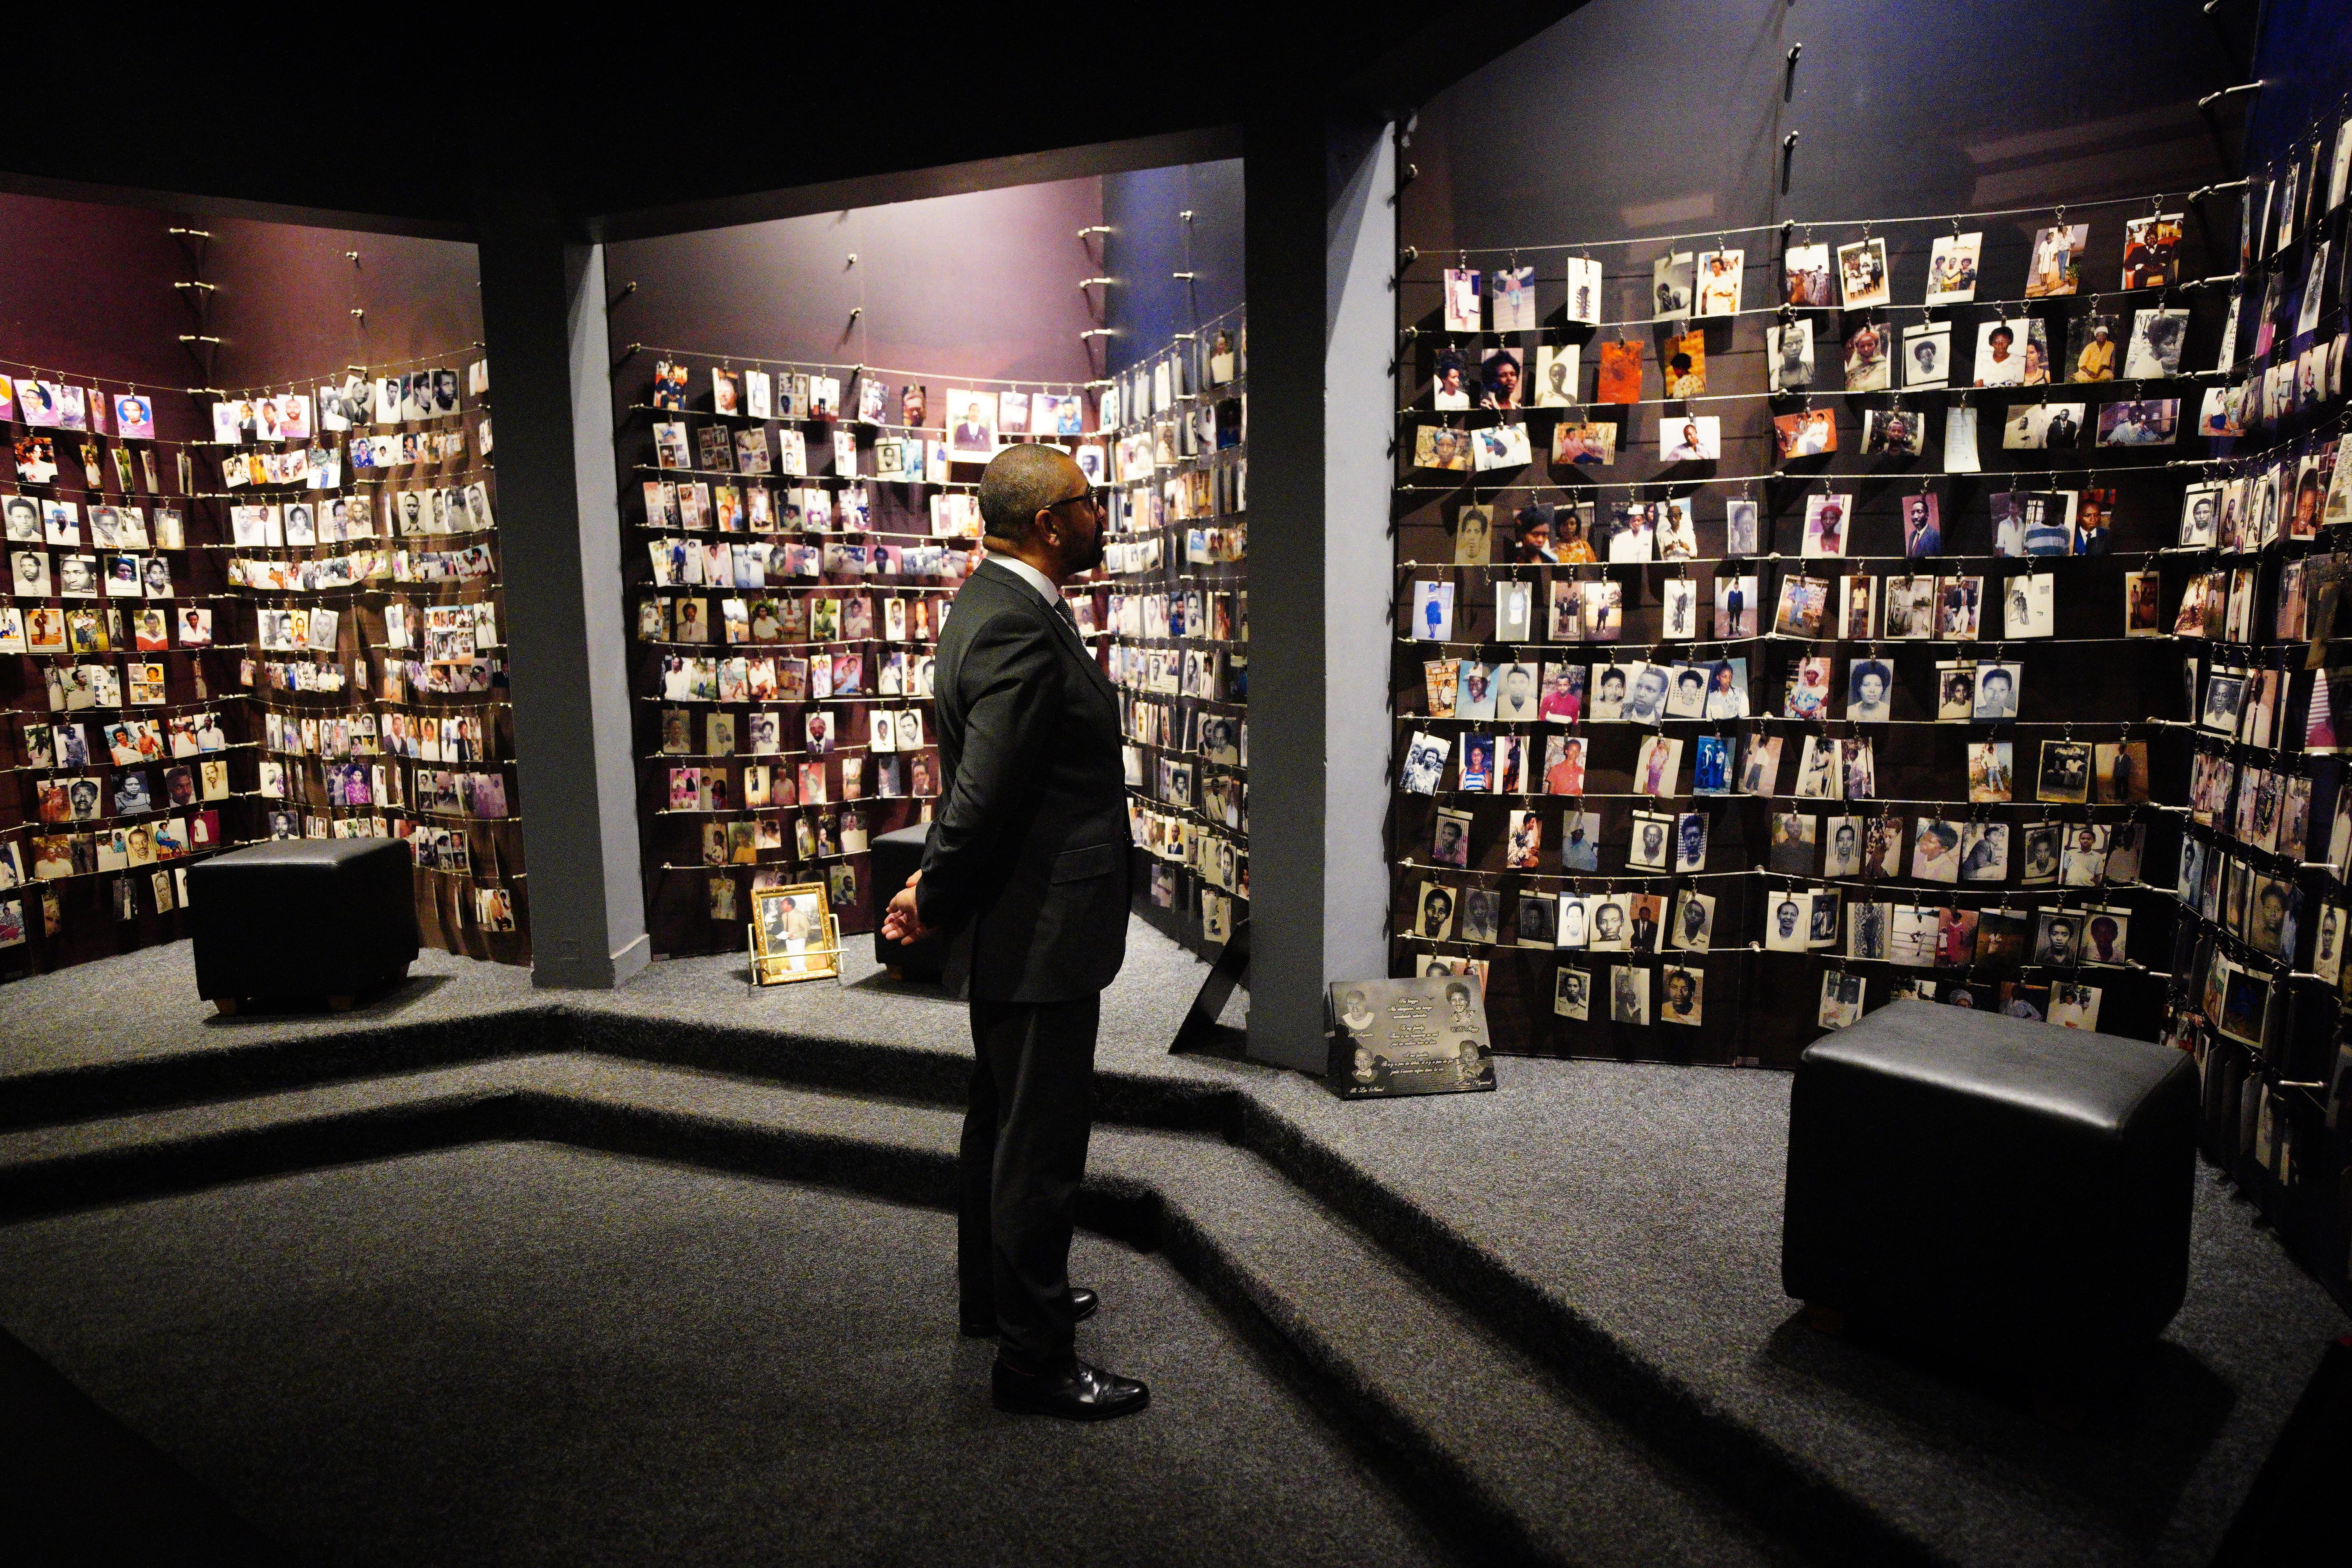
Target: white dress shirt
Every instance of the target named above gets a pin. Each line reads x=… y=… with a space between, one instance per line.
x=1031 y=575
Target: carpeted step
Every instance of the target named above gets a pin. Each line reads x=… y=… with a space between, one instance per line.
x=1538 y=1472
x=1492 y=1440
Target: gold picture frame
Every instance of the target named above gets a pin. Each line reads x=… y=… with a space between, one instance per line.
x=794 y=935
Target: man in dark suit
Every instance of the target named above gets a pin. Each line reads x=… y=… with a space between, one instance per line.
x=1027 y=864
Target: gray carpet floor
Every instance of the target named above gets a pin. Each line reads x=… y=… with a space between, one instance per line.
x=1641 y=1202
x=143 y=1005
x=520 y=1352
x=1647 y=1201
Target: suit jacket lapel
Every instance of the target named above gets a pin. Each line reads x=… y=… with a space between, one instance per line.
x=1071 y=641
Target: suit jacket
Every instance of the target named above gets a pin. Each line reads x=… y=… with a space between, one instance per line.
x=1029 y=848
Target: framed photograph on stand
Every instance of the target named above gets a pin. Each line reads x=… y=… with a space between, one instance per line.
x=794 y=935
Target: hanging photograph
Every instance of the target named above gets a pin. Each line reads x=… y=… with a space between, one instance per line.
x=1462 y=308
x=1867 y=364
x=1556 y=375
x=1719 y=274
x=2055 y=264
x=1806 y=275
x=1788 y=356
x=2151 y=251
x=2155 y=342
x=1670 y=286
x=971 y=427
x=1513 y=300
x=1861 y=275
x=1927 y=355
x=1583 y=290
x=1952 y=268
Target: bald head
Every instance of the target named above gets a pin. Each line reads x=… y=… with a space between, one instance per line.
x=1023 y=481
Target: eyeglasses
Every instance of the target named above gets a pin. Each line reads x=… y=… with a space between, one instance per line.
x=1090 y=495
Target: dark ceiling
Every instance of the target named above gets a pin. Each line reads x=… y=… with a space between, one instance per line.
x=659 y=118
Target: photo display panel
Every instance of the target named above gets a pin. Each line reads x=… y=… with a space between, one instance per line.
x=1792 y=619
x=792 y=534
x=1172 y=621
x=127 y=753
x=359 y=520
x=265 y=613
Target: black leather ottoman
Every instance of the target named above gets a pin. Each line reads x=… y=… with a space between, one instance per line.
x=2011 y=1191
x=303 y=918
x=895 y=856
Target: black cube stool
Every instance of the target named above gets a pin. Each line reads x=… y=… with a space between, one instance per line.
x=2009 y=1191
x=898 y=855
x=303 y=918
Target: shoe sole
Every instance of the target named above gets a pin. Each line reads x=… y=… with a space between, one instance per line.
x=1011 y=1406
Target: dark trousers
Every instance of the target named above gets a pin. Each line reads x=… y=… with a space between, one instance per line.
x=1024 y=1154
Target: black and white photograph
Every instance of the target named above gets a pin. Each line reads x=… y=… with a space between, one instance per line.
x=1841 y=999
x=1789 y=355
x=2224 y=693
x=1926 y=355
x=2201 y=510
x=1555 y=381
x=1997 y=683
x=1515 y=609
x=1629 y=994
x=1870 y=691
x=2029 y=605
x=1434 y=912
x=1424 y=764
x=1515 y=697
x=1692 y=927
x=1452 y=838
x=1684 y=996
x=1984 y=851
x=1670 y=286
x=1651 y=847
x=1538 y=923
x=1572 y=995
x=1583 y=290
x=2156 y=341
x=2065 y=775
x=2000 y=352
x=2058 y=939
x=1787 y=920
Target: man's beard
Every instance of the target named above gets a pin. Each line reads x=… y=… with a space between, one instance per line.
x=1087 y=557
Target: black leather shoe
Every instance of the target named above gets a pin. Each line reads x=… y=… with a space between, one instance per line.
x=1078 y=1392
x=1084 y=1304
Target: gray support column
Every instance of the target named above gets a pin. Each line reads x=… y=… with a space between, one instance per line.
x=1359 y=585
x=558 y=532
x=1321 y=236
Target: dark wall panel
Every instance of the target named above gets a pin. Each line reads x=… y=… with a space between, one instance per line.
x=1630 y=119
x=1150 y=242
x=87 y=290
x=979 y=285
x=286 y=295
x=2304 y=64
